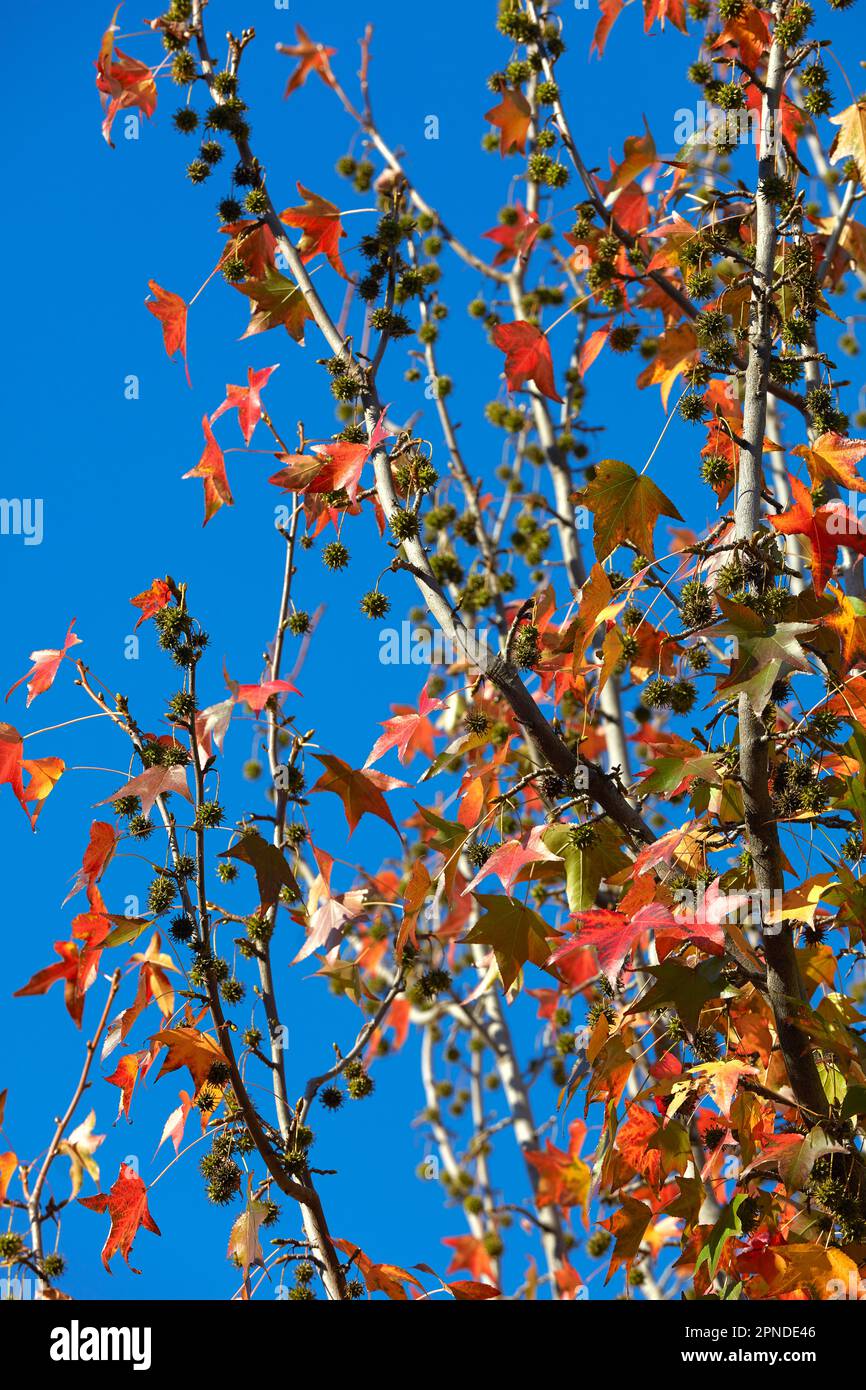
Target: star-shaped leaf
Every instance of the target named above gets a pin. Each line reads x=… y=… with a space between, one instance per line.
x=625 y=506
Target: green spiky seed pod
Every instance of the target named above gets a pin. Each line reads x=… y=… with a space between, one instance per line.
x=696 y=604
x=11 y=1246
x=623 y=339
x=184 y=867
x=598 y=1244
x=211 y=152
x=335 y=556
x=225 y=84
x=209 y=816
x=375 y=605
x=252 y=1038
x=525 y=652
x=197 y=171
x=295 y=835
x=360 y=1086
x=476 y=721
x=299 y=623
x=715 y=470
x=185 y=120
x=257 y=202
x=183 y=69
x=126 y=806
x=699 y=658
x=705 y=1045
x=230 y=210
x=181 y=706
x=547 y=93
x=233 y=991
x=161 y=894
x=227 y=873
x=53 y=1266
x=331 y=1097
x=404 y=525
x=434 y=982
x=224 y=1182
x=682 y=696
x=692 y=408
x=174 y=755
x=656 y=694
x=181 y=929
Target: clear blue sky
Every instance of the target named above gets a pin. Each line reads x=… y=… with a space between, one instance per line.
x=93 y=228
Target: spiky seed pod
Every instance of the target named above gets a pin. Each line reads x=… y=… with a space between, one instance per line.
x=53 y=1265
x=434 y=982
x=197 y=171
x=210 y=815
x=233 y=991
x=161 y=894
x=360 y=1086
x=656 y=694
x=331 y=1097
x=598 y=1244
x=225 y=84
x=295 y=835
x=181 y=929
x=127 y=806
x=211 y=151
x=692 y=408
x=185 y=120
x=335 y=556
x=404 y=524
x=525 y=650
x=705 y=1045
x=224 y=1182
x=257 y=202
x=183 y=69
x=375 y=605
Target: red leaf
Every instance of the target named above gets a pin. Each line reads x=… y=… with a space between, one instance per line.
x=410 y=731
x=171 y=311
x=156 y=781
x=359 y=791
x=122 y=81
x=152 y=600
x=211 y=468
x=67 y=969
x=97 y=857
x=313 y=58
x=246 y=400
x=320 y=222
x=513 y=116
x=527 y=357
x=45 y=666
x=826 y=529
x=126 y=1204
x=515 y=238
x=257 y=696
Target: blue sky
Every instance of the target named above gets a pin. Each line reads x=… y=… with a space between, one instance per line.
x=116 y=514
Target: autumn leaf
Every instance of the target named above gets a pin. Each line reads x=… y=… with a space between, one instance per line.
x=564 y=1180
x=275 y=302
x=515 y=933
x=826 y=528
x=410 y=731
x=8 y=1166
x=516 y=237
x=46 y=664
x=79 y=1147
x=171 y=311
x=257 y=696
x=211 y=468
x=527 y=357
x=640 y=154
x=513 y=117
x=359 y=790
x=628 y=1227
x=152 y=600
x=45 y=773
x=834 y=458
x=379 y=1278
x=610 y=12
x=122 y=82
x=154 y=782
x=469 y=1253
x=509 y=860
x=187 y=1047
x=313 y=57
x=244 y=1246
x=125 y=1075
x=67 y=969
x=11 y=749
x=126 y=1204
x=675 y=350
x=246 y=400
x=850 y=140
x=849 y=623
x=322 y=229
x=101 y=844
x=272 y=871
x=625 y=506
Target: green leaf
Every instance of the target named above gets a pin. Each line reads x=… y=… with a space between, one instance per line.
x=625 y=507
x=726 y=1228
x=854 y=1102
x=516 y=933
x=685 y=990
